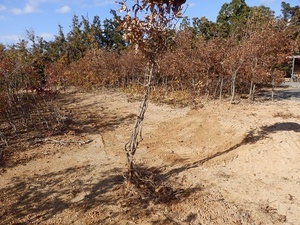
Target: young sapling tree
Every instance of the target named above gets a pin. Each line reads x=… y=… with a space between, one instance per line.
x=149 y=27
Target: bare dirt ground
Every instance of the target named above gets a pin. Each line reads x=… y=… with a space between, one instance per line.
x=219 y=164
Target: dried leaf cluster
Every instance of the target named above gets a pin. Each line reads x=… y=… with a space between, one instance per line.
x=147 y=26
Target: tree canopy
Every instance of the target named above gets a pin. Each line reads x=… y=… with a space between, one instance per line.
x=202 y=56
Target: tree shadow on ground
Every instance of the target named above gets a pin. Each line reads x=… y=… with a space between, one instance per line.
x=287 y=94
x=146 y=193
x=281 y=93
x=39 y=198
x=93 y=117
x=35 y=199
x=84 y=121
x=93 y=123
x=252 y=137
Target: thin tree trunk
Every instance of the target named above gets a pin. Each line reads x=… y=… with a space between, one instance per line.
x=273 y=84
x=207 y=83
x=251 y=91
x=252 y=85
x=233 y=86
x=216 y=88
x=136 y=134
x=221 y=88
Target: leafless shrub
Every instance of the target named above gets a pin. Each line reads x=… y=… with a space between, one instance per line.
x=28 y=116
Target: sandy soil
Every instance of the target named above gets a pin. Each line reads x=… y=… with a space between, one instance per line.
x=220 y=164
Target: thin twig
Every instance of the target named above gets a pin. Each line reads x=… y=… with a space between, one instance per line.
x=62 y=142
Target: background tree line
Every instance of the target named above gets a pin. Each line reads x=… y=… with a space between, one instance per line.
x=246 y=48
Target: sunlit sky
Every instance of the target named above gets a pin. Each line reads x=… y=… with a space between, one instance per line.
x=44 y=16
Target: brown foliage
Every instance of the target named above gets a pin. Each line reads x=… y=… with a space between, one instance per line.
x=100 y=68
x=184 y=61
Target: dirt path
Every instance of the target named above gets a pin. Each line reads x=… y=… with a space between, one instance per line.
x=225 y=164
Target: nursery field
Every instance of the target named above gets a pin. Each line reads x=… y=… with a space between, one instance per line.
x=219 y=163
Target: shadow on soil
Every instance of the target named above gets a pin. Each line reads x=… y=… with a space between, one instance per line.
x=252 y=137
x=42 y=197
x=95 y=124
x=35 y=199
x=287 y=91
x=89 y=121
x=94 y=117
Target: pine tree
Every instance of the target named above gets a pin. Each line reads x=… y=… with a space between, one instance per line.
x=232 y=18
x=291 y=15
x=113 y=39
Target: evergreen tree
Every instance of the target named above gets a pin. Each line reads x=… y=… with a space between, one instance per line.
x=57 y=48
x=113 y=39
x=96 y=34
x=199 y=27
x=185 y=24
x=204 y=27
x=291 y=15
x=75 y=44
x=38 y=56
x=232 y=17
x=86 y=41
